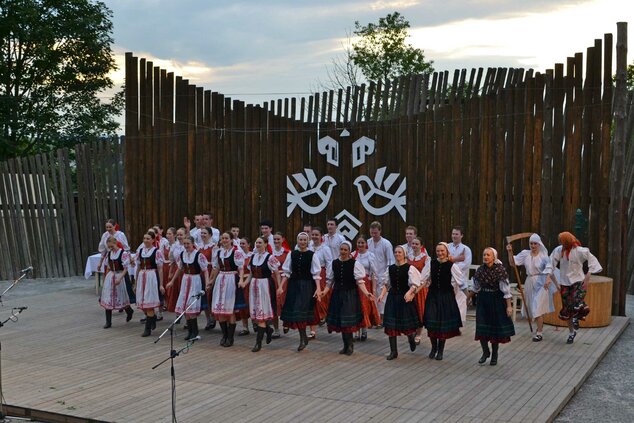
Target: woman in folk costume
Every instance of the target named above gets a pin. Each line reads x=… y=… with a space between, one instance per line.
x=262 y=279
x=418 y=258
x=150 y=270
x=207 y=248
x=242 y=314
x=538 y=289
x=170 y=239
x=227 y=298
x=442 y=315
x=114 y=295
x=112 y=229
x=192 y=271
x=401 y=280
x=570 y=256
x=345 y=276
x=301 y=272
x=173 y=290
x=324 y=257
x=371 y=316
x=280 y=251
x=493 y=310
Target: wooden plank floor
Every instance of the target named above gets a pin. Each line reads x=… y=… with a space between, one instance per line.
x=58 y=358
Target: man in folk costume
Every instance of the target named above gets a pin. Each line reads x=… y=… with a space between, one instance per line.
x=384 y=255
x=570 y=256
x=333 y=239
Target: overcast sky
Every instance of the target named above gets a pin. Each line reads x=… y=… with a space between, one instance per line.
x=253 y=50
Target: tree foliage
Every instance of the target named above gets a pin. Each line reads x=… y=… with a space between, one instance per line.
x=55 y=60
x=630 y=76
x=382 y=53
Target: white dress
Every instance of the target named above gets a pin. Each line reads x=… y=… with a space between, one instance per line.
x=539 y=299
x=260 y=304
x=225 y=287
x=191 y=284
x=147 y=284
x=115 y=297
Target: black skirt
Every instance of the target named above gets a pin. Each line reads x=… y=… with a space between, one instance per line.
x=128 y=287
x=399 y=316
x=442 y=315
x=240 y=302
x=344 y=311
x=492 y=322
x=299 y=307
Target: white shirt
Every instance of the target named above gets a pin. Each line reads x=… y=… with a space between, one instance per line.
x=368 y=261
x=175 y=251
x=457 y=277
x=119 y=236
x=359 y=274
x=383 y=253
x=334 y=242
x=414 y=277
x=457 y=249
x=315 y=267
x=572 y=267
x=323 y=257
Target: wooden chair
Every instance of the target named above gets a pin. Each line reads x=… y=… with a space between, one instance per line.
x=516 y=301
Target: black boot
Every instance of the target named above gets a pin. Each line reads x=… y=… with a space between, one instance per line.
x=434 y=348
x=258 y=339
x=350 y=344
x=393 y=348
x=148 y=327
x=190 y=327
x=223 y=327
x=129 y=312
x=494 y=355
x=485 y=351
x=231 y=330
x=441 y=349
x=269 y=333
x=108 y=319
x=303 y=339
x=193 y=324
x=344 y=350
x=153 y=321
x=412 y=342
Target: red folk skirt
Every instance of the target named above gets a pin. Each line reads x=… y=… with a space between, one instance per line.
x=371 y=316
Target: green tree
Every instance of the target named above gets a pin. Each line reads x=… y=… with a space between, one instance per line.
x=382 y=53
x=55 y=60
x=630 y=77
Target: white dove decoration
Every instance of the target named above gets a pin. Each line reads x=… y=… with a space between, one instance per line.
x=315 y=192
x=380 y=186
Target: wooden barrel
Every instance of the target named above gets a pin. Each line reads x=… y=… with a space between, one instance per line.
x=598 y=298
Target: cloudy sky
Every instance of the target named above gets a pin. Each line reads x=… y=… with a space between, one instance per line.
x=257 y=50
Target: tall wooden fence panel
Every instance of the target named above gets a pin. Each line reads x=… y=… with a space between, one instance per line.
x=496 y=150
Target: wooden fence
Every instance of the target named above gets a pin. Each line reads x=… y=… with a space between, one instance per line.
x=498 y=151
x=53 y=207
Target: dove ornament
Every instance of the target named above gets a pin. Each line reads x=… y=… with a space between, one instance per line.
x=315 y=194
x=379 y=191
x=329 y=147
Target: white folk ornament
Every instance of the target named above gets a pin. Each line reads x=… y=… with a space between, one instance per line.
x=314 y=192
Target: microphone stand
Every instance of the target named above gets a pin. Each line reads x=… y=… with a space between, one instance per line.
x=174 y=353
x=13 y=318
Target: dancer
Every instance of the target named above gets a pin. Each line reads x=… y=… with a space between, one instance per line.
x=494 y=310
x=371 y=315
x=570 y=256
x=538 y=289
x=148 y=285
x=333 y=239
x=227 y=298
x=235 y=234
x=345 y=276
x=243 y=313
x=442 y=316
x=401 y=280
x=207 y=248
x=300 y=271
x=266 y=231
x=280 y=251
x=418 y=259
x=112 y=229
x=262 y=279
x=324 y=258
x=192 y=271
x=410 y=234
x=172 y=291
x=384 y=255
x=114 y=295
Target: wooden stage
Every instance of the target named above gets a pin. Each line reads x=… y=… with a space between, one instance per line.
x=58 y=358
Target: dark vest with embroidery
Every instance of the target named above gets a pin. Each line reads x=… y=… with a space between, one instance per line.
x=300 y=264
x=440 y=276
x=115 y=265
x=147 y=262
x=191 y=268
x=262 y=271
x=227 y=264
x=343 y=274
x=399 y=278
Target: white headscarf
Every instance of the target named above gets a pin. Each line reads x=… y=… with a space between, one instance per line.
x=348 y=243
x=542 y=247
x=496 y=260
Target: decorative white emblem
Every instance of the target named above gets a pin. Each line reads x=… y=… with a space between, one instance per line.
x=348 y=225
x=329 y=147
x=314 y=192
x=380 y=187
x=362 y=148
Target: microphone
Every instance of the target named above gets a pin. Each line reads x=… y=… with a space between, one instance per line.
x=194 y=339
x=28 y=269
x=20 y=308
x=199 y=294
